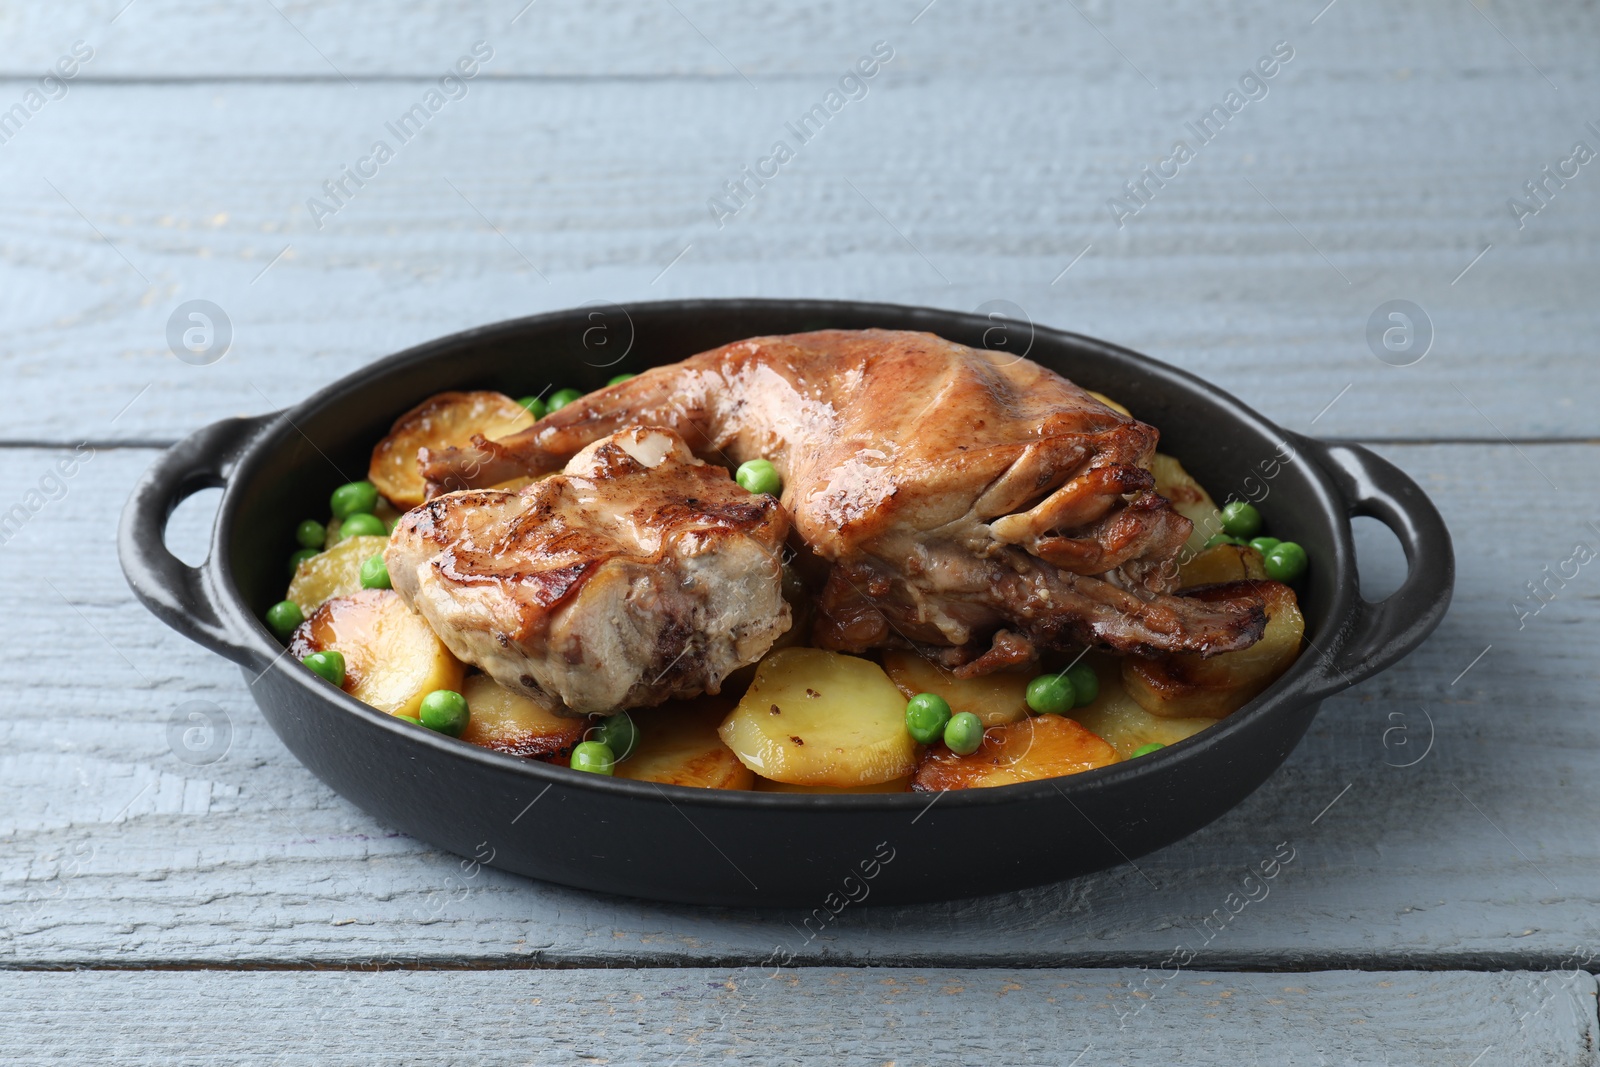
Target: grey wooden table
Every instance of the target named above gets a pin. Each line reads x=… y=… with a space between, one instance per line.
x=159 y=904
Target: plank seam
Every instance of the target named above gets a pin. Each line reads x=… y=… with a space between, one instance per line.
x=1246 y=965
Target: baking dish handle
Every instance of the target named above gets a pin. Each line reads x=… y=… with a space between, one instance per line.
x=1376 y=635
x=184 y=597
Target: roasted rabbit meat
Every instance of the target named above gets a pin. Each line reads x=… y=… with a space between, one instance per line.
x=637 y=574
x=968 y=503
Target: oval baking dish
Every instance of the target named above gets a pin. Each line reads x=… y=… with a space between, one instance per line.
x=753 y=848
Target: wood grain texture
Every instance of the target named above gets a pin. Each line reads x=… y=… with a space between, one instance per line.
x=853 y=1018
x=977 y=168
x=116 y=852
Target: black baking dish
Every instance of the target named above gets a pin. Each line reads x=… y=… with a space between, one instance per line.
x=749 y=848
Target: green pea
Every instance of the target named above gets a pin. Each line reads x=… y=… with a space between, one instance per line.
x=353 y=497
x=361 y=524
x=375 y=574
x=1220 y=539
x=412 y=719
x=444 y=710
x=758 y=476
x=310 y=534
x=618 y=733
x=1052 y=694
x=534 y=405
x=1264 y=545
x=560 y=399
x=1085 y=684
x=1285 y=562
x=619 y=379
x=594 y=757
x=1145 y=750
x=1241 y=519
x=299 y=558
x=927 y=714
x=328 y=664
x=963 y=733
x=284 y=616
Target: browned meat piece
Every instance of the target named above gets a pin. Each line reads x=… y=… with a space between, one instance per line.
x=967 y=502
x=636 y=575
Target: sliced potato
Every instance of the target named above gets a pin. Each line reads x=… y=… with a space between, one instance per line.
x=996 y=698
x=1185 y=685
x=813 y=717
x=678 y=745
x=1188 y=499
x=444 y=420
x=336 y=572
x=385 y=511
x=1123 y=724
x=1044 y=746
x=1222 y=563
x=392 y=657
x=767 y=785
x=1108 y=402
x=504 y=721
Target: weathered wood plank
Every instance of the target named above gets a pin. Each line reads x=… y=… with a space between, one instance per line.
x=853 y=1018
x=963 y=193
x=116 y=851
x=636 y=38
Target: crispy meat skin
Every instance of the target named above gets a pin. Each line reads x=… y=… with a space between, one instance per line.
x=637 y=575
x=967 y=502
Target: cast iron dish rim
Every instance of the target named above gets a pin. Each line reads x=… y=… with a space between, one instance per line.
x=253 y=639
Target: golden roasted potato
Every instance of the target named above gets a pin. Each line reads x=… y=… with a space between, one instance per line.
x=678 y=745
x=441 y=421
x=1184 y=685
x=392 y=659
x=767 y=785
x=996 y=698
x=385 y=511
x=813 y=717
x=1044 y=746
x=336 y=572
x=1222 y=563
x=505 y=721
x=1118 y=719
x=1188 y=499
x=1108 y=402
